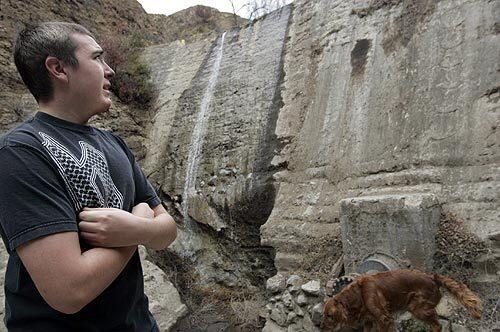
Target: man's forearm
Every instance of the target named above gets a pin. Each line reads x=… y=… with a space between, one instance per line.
x=67 y=278
x=108 y=227
x=99 y=268
x=159 y=232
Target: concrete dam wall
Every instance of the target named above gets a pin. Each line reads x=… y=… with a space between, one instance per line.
x=328 y=127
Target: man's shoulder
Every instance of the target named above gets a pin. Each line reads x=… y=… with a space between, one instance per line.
x=106 y=133
x=24 y=135
x=115 y=139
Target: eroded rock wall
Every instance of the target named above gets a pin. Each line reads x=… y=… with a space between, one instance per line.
x=328 y=101
x=233 y=187
x=384 y=98
x=373 y=98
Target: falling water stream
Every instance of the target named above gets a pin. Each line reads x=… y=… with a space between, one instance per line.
x=199 y=132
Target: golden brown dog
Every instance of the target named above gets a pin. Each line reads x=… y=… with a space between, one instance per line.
x=371 y=300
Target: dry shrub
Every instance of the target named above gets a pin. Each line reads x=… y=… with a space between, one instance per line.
x=456 y=249
x=213 y=293
x=246 y=312
x=239 y=308
x=318 y=264
x=131 y=82
x=457 y=253
x=203 y=315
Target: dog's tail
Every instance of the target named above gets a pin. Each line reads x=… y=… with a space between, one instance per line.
x=462 y=293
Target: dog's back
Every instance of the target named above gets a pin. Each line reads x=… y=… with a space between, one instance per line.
x=412 y=284
x=400 y=287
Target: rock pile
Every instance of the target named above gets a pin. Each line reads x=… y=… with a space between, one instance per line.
x=294 y=304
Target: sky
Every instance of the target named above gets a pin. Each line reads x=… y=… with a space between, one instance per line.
x=168 y=7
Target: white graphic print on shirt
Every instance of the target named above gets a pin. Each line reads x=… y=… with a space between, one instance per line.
x=81 y=174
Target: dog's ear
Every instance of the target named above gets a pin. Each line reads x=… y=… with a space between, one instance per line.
x=328 y=303
x=328 y=313
x=342 y=312
x=359 y=303
x=353 y=301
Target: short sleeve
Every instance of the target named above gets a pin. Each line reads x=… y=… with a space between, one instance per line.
x=33 y=199
x=144 y=191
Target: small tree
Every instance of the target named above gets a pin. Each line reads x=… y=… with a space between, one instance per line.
x=205 y=13
x=258 y=8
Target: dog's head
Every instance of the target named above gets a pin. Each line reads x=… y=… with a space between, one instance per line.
x=335 y=315
x=344 y=310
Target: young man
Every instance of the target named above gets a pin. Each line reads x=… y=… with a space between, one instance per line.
x=74 y=204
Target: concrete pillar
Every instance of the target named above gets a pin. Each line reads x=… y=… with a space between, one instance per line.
x=389 y=231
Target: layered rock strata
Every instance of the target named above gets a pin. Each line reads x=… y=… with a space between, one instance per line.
x=334 y=100
x=233 y=191
x=384 y=98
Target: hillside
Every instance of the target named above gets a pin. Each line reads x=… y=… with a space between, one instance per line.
x=104 y=18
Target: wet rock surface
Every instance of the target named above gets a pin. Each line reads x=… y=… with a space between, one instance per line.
x=231 y=192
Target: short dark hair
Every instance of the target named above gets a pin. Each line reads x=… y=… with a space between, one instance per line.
x=38 y=41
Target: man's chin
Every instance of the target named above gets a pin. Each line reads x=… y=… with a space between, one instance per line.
x=102 y=109
x=106 y=105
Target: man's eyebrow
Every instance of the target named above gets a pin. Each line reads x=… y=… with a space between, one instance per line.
x=98 y=52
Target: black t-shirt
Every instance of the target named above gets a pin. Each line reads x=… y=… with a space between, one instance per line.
x=49 y=170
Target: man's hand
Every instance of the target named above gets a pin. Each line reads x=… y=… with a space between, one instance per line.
x=143 y=210
x=110 y=227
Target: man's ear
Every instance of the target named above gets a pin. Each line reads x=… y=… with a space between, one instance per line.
x=56 y=69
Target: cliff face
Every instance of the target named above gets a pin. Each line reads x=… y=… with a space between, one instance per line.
x=376 y=99
x=232 y=192
x=105 y=19
x=399 y=98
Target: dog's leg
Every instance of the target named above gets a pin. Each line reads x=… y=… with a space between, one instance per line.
x=429 y=317
x=425 y=311
x=377 y=305
x=367 y=326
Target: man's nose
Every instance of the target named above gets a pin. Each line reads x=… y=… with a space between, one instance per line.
x=108 y=72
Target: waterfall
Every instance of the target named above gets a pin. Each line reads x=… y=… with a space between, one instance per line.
x=199 y=130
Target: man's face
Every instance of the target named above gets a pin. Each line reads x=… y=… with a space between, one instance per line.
x=89 y=83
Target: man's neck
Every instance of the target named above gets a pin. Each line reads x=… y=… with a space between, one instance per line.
x=61 y=110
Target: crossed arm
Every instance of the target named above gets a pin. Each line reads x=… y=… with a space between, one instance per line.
x=118 y=228
x=67 y=278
